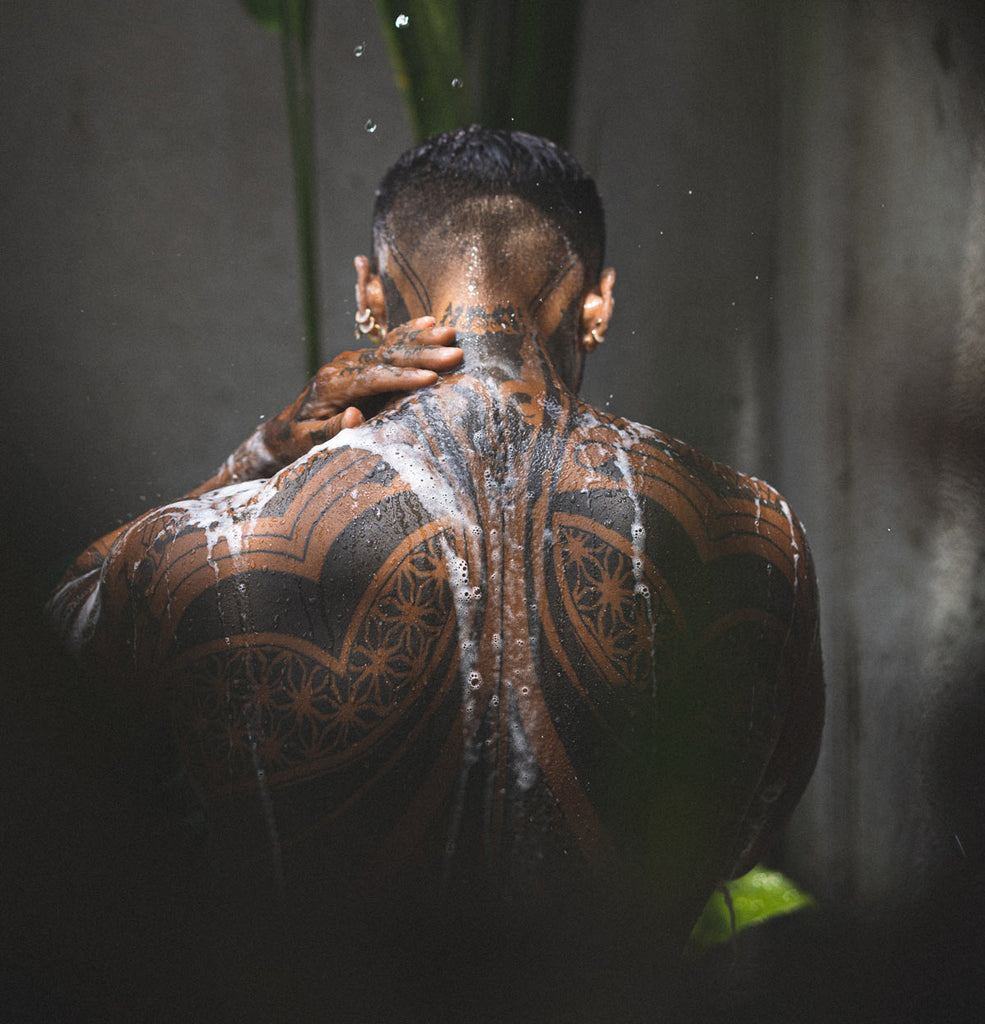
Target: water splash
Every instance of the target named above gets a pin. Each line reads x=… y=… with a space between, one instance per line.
x=788 y=515
x=267 y=804
x=637 y=532
x=400 y=448
x=401 y=21
x=76 y=611
x=370 y=126
x=522 y=755
x=359 y=49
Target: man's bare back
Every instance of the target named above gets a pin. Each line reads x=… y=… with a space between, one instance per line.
x=491 y=641
x=478 y=632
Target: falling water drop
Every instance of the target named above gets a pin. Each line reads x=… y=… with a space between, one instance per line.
x=457 y=83
x=401 y=21
x=370 y=126
x=359 y=49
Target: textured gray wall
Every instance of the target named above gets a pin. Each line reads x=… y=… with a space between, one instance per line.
x=151 y=304
x=149 y=271
x=881 y=382
x=796 y=198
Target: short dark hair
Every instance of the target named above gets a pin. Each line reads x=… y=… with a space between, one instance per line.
x=472 y=162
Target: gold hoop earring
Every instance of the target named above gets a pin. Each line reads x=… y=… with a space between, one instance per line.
x=367 y=327
x=591 y=341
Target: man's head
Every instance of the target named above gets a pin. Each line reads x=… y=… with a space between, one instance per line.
x=475 y=167
x=498 y=213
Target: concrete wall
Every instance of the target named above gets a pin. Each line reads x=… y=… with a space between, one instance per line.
x=881 y=400
x=151 y=304
x=880 y=390
x=796 y=198
x=149 y=280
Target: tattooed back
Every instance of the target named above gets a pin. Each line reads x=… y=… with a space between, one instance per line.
x=492 y=639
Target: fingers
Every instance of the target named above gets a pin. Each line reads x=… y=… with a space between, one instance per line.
x=419 y=332
x=352 y=417
x=420 y=343
x=317 y=433
x=431 y=356
x=385 y=378
x=411 y=357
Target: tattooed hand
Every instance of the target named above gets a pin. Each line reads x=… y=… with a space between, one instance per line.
x=341 y=392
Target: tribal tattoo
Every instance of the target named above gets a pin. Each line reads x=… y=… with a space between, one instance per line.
x=492 y=627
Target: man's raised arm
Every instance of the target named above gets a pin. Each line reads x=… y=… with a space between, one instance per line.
x=339 y=396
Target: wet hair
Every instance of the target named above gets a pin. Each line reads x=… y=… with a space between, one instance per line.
x=466 y=165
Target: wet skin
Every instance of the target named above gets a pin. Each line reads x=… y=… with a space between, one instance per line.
x=491 y=639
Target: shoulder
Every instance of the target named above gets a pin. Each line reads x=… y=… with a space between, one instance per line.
x=713 y=501
x=716 y=544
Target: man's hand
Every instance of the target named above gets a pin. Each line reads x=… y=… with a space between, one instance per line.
x=410 y=357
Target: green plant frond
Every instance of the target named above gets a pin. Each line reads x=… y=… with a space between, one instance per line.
x=756 y=897
x=294 y=20
x=514 y=59
x=290 y=16
x=267 y=12
x=427 y=54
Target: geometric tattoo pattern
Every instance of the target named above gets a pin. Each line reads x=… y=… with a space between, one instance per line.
x=490 y=616
x=621 y=618
x=299 y=707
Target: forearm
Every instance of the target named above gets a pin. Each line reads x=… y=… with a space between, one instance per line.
x=252 y=460
x=75 y=601
x=412 y=357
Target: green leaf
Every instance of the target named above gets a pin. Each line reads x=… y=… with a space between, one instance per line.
x=525 y=53
x=514 y=61
x=294 y=20
x=267 y=12
x=291 y=16
x=427 y=54
x=756 y=897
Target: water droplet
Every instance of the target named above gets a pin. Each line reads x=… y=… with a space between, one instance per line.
x=370 y=126
x=457 y=83
x=401 y=21
x=359 y=49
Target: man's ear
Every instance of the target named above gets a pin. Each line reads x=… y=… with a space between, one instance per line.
x=369 y=292
x=596 y=311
